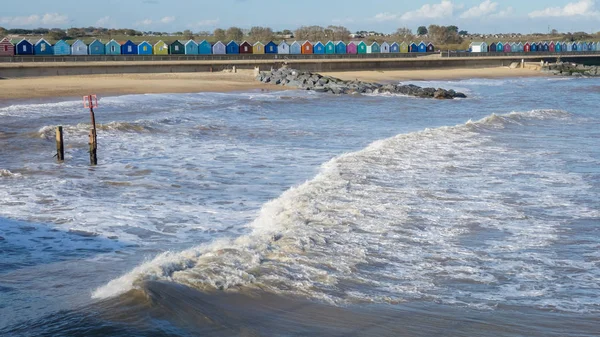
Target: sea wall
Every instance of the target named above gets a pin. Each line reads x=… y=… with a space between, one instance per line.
x=16 y=70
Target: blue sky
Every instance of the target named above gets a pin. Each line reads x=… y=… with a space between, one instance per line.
x=484 y=16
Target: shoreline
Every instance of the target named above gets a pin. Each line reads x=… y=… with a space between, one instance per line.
x=37 y=88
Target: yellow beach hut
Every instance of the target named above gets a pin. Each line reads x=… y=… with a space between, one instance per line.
x=161 y=48
x=258 y=48
x=404 y=47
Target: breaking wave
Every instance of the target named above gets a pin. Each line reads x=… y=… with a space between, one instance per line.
x=387 y=223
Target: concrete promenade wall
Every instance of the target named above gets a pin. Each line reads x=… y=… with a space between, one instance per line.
x=15 y=70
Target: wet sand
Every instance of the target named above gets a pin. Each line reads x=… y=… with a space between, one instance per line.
x=119 y=84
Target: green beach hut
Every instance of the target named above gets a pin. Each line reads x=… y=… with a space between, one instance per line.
x=361 y=48
x=176 y=48
x=330 y=48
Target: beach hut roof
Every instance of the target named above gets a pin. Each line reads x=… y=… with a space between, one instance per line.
x=375 y=43
x=258 y=43
x=191 y=41
x=283 y=42
x=340 y=42
x=24 y=40
x=42 y=40
x=230 y=42
x=295 y=42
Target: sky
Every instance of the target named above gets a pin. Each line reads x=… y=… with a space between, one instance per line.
x=475 y=16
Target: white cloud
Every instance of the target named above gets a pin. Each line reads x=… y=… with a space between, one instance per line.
x=48 y=19
x=434 y=11
x=386 y=16
x=145 y=22
x=484 y=9
x=103 y=21
x=167 y=19
x=509 y=11
x=581 y=8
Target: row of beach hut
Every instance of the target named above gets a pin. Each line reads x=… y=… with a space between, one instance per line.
x=191 y=47
x=519 y=47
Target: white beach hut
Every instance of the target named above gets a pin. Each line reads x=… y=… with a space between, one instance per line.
x=385 y=48
x=283 y=48
x=79 y=48
x=219 y=48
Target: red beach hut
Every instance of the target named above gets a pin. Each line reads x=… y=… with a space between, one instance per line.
x=552 y=47
x=307 y=48
x=6 y=48
x=245 y=48
x=527 y=47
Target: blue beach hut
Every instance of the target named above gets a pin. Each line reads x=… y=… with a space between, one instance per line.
x=24 y=47
x=394 y=47
x=545 y=47
x=79 y=48
x=374 y=48
x=97 y=48
x=534 y=47
x=43 y=47
x=558 y=47
x=319 y=48
x=232 y=48
x=113 y=48
x=566 y=46
x=593 y=46
x=499 y=47
x=584 y=46
x=219 y=48
x=62 y=48
x=574 y=46
x=204 y=48
x=422 y=47
x=129 y=48
x=296 y=48
x=330 y=47
x=145 y=48
x=340 y=47
x=413 y=47
x=271 y=48
x=191 y=47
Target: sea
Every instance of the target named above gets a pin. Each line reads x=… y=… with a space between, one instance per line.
x=294 y=213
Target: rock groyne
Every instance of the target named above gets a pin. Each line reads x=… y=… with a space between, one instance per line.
x=571 y=69
x=319 y=83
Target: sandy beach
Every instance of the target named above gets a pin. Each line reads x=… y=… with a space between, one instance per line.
x=434 y=74
x=77 y=86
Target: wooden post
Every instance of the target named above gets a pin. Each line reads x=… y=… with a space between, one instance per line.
x=60 y=149
x=93 y=136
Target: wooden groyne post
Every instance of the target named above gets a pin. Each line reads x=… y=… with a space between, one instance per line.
x=91 y=102
x=60 y=146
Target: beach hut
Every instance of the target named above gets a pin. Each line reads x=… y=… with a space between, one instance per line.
x=478 y=47
x=534 y=47
x=295 y=48
x=552 y=47
x=258 y=48
x=499 y=47
x=394 y=47
x=526 y=47
x=558 y=47
x=422 y=47
x=351 y=48
x=584 y=46
x=361 y=48
x=404 y=47
x=6 y=47
x=430 y=48
x=569 y=47
x=283 y=48
x=520 y=47
x=307 y=47
x=593 y=46
x=540 y=46
x=145 y=48
x=24 y=47
x=129 y=48
x=574 y=46
x=564 y=46
x=97 y=48
x=42 y=47
x=219 y=48
x=61 y=47
x=507 y=48
x=385 y=48
x=340 y=48
x=319 y=48
x=161 y=48
x=246 y=48
x=374 y=48
x=191 y=47
x=330 y=47
x=232 y=47
x=545 y=47
x=493 y=48
x=271 y=48
x=112 y=48
x=413 y=48
x=176 y=48
x=79 y=48
x=514 y=47
x=205 y=48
